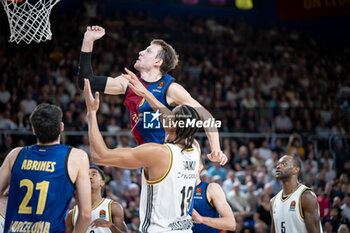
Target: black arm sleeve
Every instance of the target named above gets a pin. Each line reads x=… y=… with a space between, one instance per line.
x=97 y=83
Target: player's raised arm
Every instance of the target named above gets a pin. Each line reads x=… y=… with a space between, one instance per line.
x=103 y=84
x=178 y=95
x=129 y=158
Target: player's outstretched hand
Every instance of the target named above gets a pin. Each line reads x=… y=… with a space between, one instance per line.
x=197 y=218
x=94 y=33
x=134 y=83
x=100 y=223
x=217 y=156
x=91 y=102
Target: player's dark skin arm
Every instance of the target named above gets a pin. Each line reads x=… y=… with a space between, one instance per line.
x=309 y=206
x=272 y=223
x=69 y=223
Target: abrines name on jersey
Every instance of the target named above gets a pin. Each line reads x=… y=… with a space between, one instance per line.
x=34 y=165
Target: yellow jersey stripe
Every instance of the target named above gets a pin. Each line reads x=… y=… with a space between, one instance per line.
x=167 y=172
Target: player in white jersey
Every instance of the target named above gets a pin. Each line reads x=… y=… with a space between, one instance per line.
x=107 y=216
x=295 y=207
x=3 y=205
x=169 y=170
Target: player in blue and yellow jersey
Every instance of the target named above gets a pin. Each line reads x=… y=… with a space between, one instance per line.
x=153 y=65
x=211 y=210
x=43 y=178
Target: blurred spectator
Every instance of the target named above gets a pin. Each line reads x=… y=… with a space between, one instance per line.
x=264 y=150
x=327 y=227
x=283 y=122
x=273 y=187
x=310 y=164
x=229 y=181
x=5 y=95
x=294 y=147
x=6 y=121
x=85 y=146
x=6 y=147
x=238 y=201
x=133 y=226
x=262 y=214
x=324 y=203
x=334 y=218
x=326 y=158
x=322 y=130
x=216 y=169
x=118 y=185
x=340 y=156
x=242 y=159
x=346 y=206
x=256 y=160
x=251 y=195
x=28 y=104
x=343 y=228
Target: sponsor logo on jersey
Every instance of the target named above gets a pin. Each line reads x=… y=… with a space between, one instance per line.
x=198 y=191
x=292 y=206
x=135 y=118
x=102 y=214
x=161 y=85
x=181 y=225
x=25 y=226
x=156 y=90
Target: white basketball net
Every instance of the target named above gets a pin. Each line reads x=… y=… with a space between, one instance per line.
x=29 y=22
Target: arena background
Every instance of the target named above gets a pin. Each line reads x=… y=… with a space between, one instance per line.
x=276 y=75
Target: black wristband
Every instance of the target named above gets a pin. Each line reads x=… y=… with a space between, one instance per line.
x=97 y=83
x=84 y=69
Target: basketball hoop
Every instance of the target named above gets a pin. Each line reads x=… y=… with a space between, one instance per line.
x=29 y=22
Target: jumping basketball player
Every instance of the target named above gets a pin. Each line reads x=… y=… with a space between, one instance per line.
x=153 y=64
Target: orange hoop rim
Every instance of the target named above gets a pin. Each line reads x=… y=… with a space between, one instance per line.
x=15 y=0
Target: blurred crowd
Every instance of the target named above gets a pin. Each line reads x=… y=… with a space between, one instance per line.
x=268 y=81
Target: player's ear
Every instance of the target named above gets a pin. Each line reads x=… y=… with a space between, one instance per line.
x=158 y=62
x=296 y=170
x=102 y=183
x=62 y=126
x=33 y=130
